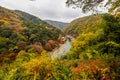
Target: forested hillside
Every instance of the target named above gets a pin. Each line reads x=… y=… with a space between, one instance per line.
x=32 y=18
x=95 y=53
x=79 y=25
x=22 y=31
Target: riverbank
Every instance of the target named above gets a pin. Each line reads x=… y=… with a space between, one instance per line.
x=58 y=52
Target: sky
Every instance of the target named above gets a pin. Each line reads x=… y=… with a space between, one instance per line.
x=45 y=9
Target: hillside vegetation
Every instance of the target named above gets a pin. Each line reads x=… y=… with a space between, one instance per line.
x=96 y=51
x=22 y=31
x=32 y=18
x=95 y=54
x=79 y=25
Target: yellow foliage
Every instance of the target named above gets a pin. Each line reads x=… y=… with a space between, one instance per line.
x=21 y=53
x=38 y=67
x=43 y=53
x=4 y=21
x=2 y=39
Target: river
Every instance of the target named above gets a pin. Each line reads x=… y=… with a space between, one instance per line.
x=58 y=52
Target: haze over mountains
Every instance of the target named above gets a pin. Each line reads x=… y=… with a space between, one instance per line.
x=58 y=24
x=37 y=20
x=30 y=17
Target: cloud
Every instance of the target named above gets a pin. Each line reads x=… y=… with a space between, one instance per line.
x=45 y=9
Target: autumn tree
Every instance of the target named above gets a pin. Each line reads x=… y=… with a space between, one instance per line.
x=88 y=5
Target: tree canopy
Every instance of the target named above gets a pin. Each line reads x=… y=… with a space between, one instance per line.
x=88 y=5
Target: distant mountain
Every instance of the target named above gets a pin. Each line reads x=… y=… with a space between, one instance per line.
x=58 y=24
x=32 y=18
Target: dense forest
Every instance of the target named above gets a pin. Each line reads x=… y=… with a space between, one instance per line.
x=22 y=31
x=25 y=41
x=19 y=29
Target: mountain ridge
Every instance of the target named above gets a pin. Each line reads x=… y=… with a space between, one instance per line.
x=57 y=24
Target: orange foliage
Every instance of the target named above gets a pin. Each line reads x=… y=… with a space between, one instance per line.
x=17 y=28
x=37 y=47
x=53 y=43
x=11 y=55
x=37 y=54
x=21 y=44
x=90 y=65
x=79 y=68
x=96 y=68
x=50 y=45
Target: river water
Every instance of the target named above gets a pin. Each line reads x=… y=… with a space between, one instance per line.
x=58 y=52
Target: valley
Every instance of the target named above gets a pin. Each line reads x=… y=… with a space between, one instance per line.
x=87 y=48
x=62 y=49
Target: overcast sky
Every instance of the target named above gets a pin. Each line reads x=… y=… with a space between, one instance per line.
x=45 y=9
